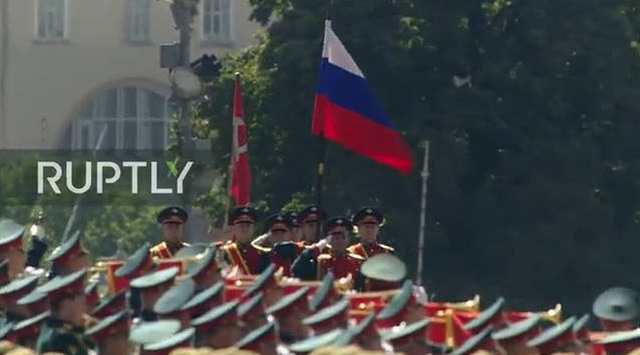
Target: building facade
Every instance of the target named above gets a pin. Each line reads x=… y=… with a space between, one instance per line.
x=69 y=68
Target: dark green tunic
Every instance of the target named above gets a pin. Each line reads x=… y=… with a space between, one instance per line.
x=59 y=336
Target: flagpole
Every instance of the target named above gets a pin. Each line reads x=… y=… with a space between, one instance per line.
x=231 y=161
x=423 y=214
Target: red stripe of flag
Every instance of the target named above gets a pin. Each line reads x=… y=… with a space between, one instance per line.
x=241 y=178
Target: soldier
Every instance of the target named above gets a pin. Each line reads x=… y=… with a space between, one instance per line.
x=409 y=339
x=11 y=293
x=63 y=331
x=339 y=261
x=311 y=344
x=558 y=338
x=111 y=334
x=365 y=335
x=11 y=246
x=139 y=264
x=35 y=302
x=513 y=339
x=69 y=257
x=111 y=306
x=325 y=295
x=249 y=258
x=151 y=287
x=617 y=309
x=493 y=316
x=26 y=332
x=289 y=312
x=152 y=332
x=253 y=314
x=169 y=305
x=182 y=339
x=620 y=343
x=205 y=273
x=269 y=284
x=172 y=220
x=403 y=307
x=218 y=328
x=263 y=340
x=582 y=336
x=329 y=318
x=383 y=272
x=368 y=220
x=479 y=342
x=310 y=219
x=205 y=300
x=296 y=231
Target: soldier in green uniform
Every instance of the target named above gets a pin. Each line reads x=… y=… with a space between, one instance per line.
x=170 y=304
x=69 y=257
x=64 y=330
x=111 y=334
x=151 y=287
x=219 y=328
x=11 y=293
x=289 y=313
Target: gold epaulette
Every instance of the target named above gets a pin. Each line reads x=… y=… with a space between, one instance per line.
x=387 y=248
x=325 y=257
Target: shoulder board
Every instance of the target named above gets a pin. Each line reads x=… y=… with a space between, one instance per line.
x=356 y=256
x=325 y=256
x=386 y=247
x=186 y=244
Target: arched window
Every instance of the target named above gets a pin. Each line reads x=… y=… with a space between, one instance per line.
x=135 y=118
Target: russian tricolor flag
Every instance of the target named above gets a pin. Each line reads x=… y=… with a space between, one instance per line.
x=346 y=111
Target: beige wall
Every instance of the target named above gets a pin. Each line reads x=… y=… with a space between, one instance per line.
x=52 y=81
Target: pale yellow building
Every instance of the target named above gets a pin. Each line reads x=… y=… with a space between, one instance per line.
x=68 y=67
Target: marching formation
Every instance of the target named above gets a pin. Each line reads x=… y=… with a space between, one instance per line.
x=285 y=292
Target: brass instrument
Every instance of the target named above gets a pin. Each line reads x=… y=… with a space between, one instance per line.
x=553 y=315
x=467 y=306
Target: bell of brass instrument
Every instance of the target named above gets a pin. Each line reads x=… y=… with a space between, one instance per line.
x=553 y=315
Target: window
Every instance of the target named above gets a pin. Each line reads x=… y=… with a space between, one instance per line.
x=52 y=20
x=216 y=21
x=138 y=21
x=134 y=118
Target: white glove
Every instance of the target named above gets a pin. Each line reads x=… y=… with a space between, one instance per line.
x=38 y=232
x=323 y=242
x=261 y=240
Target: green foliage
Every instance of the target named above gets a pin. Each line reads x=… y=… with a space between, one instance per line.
x=534 y=172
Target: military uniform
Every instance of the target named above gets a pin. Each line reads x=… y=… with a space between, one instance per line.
x=26 y=332
x=169 y=305
x=62 y=255
x=329 y=318
x=111 y=331
x=558 y=338
x=10 y=295
x=513 y=339
x=369 y=215
x=221 y=321
x=58 y=335
x=250 y=259
x=340 y=265
x=287 y=310
x=153 y=281
x=164 y=250
x=283 y=253
x=138 y=264
x=205 y=300
x=492 y=316
x=617 y=309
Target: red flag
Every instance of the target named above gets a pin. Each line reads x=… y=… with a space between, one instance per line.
x=241 y=175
